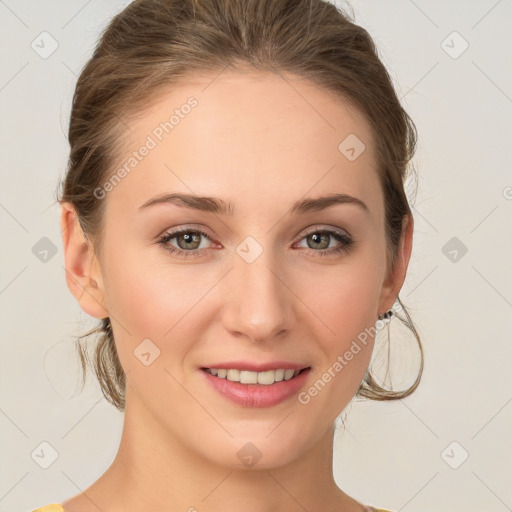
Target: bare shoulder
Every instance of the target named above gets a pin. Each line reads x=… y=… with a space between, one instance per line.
x=79 y=503
x=90 y=502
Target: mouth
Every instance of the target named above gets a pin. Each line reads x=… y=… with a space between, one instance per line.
x=264 y=378
x=249 y=388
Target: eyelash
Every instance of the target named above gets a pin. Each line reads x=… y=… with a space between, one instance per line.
x=346 y=242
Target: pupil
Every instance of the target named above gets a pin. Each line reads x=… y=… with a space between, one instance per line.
x=188 y=238
x=317 y=237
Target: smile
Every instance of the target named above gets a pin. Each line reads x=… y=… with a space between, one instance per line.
x=266 y=378
x=248 y=388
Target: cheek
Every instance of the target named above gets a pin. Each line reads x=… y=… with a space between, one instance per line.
x=344 y=300
x=149 y=298
x=343 y=297
x=144 y=292
x=346 y=308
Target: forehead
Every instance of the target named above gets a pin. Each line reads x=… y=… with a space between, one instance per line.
x=252 y=133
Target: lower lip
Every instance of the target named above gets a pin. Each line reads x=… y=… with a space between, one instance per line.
x=258 y=395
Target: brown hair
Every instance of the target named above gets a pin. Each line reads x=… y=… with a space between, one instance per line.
x=152 y=44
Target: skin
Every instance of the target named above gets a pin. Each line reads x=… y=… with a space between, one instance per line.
x=261 y=142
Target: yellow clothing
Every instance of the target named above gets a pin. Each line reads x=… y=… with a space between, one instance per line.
x=55 y=507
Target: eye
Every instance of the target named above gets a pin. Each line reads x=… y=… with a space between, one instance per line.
x=319 y=240
x=188 y=242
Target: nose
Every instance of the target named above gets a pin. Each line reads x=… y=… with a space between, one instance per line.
x=258 y=301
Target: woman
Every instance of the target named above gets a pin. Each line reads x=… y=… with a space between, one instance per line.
x=234 y=213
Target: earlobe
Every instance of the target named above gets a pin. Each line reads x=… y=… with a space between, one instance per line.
x=83 y=273
x=394 y=282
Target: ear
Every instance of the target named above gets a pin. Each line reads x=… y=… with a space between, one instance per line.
x=83 y=273
x=396 y=277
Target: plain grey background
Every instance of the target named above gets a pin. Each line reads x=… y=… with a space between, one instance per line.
x=448 y=446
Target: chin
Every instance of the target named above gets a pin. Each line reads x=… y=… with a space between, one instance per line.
x=258 y=451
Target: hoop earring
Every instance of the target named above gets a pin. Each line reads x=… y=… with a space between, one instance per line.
x=388 y=314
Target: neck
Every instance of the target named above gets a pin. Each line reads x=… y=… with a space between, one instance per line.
x=158 y=472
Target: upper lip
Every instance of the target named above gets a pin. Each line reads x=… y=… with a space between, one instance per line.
x=257 y=367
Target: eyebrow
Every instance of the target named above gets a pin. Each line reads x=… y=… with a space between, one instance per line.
x=218 y=206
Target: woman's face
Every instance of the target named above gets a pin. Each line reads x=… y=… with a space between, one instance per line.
x=267 y=286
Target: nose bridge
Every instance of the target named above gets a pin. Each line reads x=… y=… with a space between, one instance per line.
x=258 y=303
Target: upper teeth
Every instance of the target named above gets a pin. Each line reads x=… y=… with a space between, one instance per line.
x=247 y=377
